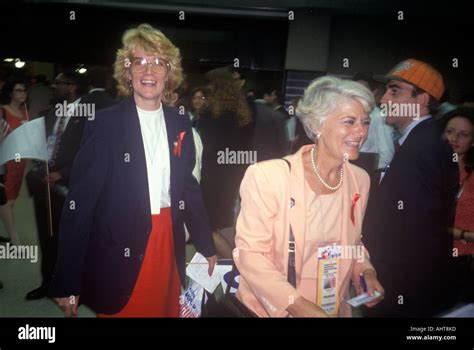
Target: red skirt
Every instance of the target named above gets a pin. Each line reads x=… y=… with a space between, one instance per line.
x=14 y=178
x=157 y=290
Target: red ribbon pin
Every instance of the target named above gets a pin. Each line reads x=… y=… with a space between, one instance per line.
x=355 y=198
x=178 y=143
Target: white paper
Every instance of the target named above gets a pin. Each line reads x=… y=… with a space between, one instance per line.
x=363 y=299
x=197 y=271
x=28 y=141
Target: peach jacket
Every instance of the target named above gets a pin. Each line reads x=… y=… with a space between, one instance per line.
x=261 y=253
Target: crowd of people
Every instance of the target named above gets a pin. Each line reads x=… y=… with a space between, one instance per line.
x=368 y=162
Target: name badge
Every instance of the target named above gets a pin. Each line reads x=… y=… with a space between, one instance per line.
x=328 y=284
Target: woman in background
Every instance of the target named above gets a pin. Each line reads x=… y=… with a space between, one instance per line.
x=459 y=132
x=226 y=131
x=14 y=96
x=198 y=105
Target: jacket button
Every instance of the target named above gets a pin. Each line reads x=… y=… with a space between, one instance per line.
x=141 y=257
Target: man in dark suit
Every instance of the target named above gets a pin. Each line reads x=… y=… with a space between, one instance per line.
x=407 y=219
x=270 y=139
x=64 y=131
x=97 y=78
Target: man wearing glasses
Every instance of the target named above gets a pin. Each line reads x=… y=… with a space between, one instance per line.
x=64 y=133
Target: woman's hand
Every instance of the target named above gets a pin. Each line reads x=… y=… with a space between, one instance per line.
x=212 y=260
x=373 y=285
x=68 y=305
x=304 y=308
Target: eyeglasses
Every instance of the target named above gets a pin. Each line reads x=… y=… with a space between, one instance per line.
x=158 y=65
x=20 y=90
x=199 y=98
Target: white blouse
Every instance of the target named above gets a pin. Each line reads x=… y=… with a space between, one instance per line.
x=155 y=142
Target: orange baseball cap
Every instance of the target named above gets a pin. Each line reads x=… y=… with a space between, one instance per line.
x=420 y=74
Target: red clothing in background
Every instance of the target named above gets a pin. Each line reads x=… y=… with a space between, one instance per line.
x=465 y=214
x=14 y=170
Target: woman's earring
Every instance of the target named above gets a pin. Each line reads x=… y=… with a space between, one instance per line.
x=345 y=158
x=130 y=86
x=318 y=136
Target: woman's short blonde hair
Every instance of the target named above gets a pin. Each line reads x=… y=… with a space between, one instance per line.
x=152 y=41
x=323 y=95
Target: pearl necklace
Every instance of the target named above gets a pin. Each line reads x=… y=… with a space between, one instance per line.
x=332 y=188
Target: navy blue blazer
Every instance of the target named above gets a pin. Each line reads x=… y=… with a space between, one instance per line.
x=106 y=218
x=406 y=224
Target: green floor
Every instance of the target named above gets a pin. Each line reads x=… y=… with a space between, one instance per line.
x=21 y=276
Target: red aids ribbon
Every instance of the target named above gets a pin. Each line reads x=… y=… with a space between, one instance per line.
x=177 y=144
x=355 y=198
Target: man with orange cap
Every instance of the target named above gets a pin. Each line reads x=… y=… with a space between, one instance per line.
x=407 y=219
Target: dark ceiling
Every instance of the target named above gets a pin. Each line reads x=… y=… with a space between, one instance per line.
x=214 y=32
x=266 y=7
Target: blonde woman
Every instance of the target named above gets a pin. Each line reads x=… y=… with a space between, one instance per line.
x=121 y=240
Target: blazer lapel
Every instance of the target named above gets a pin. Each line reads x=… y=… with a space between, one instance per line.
x=351 y=206
x=297 y=212
x=172 y=134
x=132 y=136
x=347 y=227
x=350 y=238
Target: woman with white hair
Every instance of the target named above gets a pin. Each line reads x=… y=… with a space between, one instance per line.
x=298 y=241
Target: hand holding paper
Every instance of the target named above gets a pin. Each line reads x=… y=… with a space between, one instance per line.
x=199 y=268
x=369 y=289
